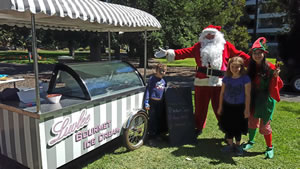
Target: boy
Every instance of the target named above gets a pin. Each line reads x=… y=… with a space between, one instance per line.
x=154 y=100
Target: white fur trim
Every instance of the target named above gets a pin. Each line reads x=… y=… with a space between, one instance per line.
x=211 y=51
x=210 y=30
x=171 y=55
x=218 y=33
x=206 y=82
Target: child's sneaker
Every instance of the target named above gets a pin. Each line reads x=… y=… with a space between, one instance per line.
x=269 y=152
x=227 y=149
x=248 y=145
x=239 y=150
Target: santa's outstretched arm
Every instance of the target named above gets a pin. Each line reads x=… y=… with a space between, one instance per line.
x=235 y=52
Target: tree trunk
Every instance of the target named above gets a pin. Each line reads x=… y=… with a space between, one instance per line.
x=71 y=48
x=116 y=48
x=95 y=49
x=140 y=52
x=131 y=52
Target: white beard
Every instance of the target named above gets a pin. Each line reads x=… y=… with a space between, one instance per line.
x=211 y=53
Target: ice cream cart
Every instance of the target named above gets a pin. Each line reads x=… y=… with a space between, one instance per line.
x=100 y=101
x=97 y=105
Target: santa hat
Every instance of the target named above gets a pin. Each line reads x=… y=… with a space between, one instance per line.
x=260 y=43
x=212 y=28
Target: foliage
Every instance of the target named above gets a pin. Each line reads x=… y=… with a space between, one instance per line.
x=5 y=37
x=13 y=36
x=181 y=20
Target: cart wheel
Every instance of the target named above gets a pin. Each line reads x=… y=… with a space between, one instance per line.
x=135 y=134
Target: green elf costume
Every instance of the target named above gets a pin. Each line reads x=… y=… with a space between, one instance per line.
x=264 y=94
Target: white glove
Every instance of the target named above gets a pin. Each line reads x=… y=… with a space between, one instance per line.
x=161 y=53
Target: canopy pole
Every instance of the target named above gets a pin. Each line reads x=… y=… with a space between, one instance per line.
x=145 y=55
x=109 y=47
x=35 y=64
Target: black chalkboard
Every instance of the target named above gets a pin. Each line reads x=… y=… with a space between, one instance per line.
x=180 y=118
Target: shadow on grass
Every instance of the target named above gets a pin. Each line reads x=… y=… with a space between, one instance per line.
x=210 y=148
x=81 y=162
x=95 y=154
x=15 y=69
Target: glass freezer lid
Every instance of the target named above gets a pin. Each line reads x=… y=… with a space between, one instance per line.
x=100 y=78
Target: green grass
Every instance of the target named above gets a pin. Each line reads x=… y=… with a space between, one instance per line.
x=50 y=57
x=206 y=153
x=46 y=56
x=190 y=62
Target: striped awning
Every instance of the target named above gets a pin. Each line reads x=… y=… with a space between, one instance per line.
x=86 y=15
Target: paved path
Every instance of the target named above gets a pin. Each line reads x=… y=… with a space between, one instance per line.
x=289 y=96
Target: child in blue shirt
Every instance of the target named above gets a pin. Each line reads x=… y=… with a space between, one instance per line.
x=234 y=104
x=154 y=99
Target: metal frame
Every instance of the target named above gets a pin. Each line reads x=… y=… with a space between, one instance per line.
x=36 y=73
x=67 y=69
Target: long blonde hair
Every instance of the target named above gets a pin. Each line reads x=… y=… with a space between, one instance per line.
x=239 y=61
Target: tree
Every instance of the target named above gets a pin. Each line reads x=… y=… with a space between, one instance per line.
x=70 y=39
x=183 y=20
x=14 y=36
x=5 y=37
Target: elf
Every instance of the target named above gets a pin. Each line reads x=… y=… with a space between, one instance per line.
x=265 y=84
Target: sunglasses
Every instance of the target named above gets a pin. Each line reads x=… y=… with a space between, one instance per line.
x=210 y=32
x=162 y=71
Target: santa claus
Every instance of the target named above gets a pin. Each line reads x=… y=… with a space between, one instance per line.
x=211 y=54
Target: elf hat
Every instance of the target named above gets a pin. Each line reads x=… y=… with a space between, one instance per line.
x=260 y=43
x=212 y=28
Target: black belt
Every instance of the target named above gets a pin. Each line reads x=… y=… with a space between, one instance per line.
x=210 y=71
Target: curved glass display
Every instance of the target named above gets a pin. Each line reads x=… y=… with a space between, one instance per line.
x=100 y=78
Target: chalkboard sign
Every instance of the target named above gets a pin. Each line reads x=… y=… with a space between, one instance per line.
x=179 y=108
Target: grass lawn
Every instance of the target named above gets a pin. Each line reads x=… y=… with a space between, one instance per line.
x=50 y=57
x=206 y=153
x=190 y=62
x=45 y=56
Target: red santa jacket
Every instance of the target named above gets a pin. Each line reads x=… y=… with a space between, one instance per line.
x=194 y=52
